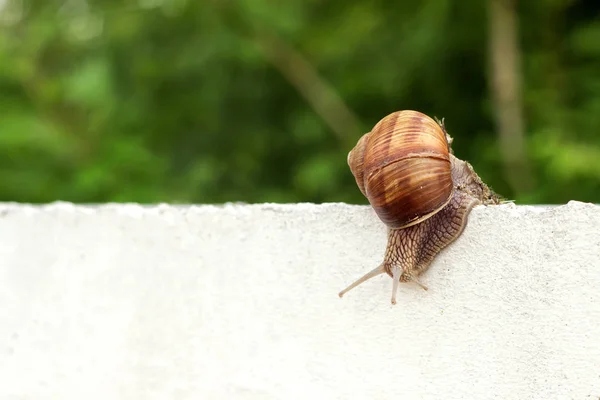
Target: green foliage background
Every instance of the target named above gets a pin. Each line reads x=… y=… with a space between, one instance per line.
x=177 y=101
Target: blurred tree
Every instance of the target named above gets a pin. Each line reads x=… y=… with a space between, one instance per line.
x=505 y=77
x=214 y=101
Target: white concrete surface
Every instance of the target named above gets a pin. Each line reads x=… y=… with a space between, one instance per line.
x=240 y=302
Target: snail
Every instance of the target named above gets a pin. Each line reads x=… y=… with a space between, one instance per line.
x=406 y=168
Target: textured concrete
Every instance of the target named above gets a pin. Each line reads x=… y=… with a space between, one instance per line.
x=130 y=302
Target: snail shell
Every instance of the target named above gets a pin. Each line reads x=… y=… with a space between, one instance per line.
x=403 y=168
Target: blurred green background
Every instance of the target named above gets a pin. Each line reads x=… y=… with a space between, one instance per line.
x=206 y=101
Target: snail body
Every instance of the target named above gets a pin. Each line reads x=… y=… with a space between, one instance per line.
x=406 y=169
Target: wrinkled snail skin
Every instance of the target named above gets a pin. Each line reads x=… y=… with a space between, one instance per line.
x=412 y=247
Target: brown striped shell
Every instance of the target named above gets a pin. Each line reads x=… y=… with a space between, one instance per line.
x=403 y=168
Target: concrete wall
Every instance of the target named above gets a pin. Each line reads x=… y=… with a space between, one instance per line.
x=131 y=302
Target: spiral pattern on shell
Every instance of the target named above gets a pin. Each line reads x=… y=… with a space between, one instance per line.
x=403 y=168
